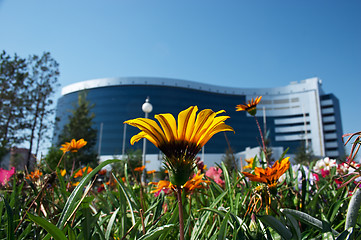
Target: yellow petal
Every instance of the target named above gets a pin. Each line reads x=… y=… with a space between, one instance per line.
x=204 y=120
x=141 y=135
x=219 y=128
x=150 y=127
x=186 y=120
x=169 y=125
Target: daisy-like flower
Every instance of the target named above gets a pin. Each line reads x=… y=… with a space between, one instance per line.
x=269 y=175
x=196 y=182
x=250 y=107
x=80 y=172
x=250 y=163
x=180 y=142
x=139 y=169
x=34 y=175
x=73 y=145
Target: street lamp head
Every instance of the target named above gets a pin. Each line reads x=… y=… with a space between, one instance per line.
x=147 y=107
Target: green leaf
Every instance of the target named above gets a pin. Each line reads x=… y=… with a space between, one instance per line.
x=10 y=217
x=77 y=192
x=154 y=234
x=305 y=218
x=120 y=184
x=55 y=232
x=111 y=223
x=223 y=228
x=276 y=225
x=295 y=227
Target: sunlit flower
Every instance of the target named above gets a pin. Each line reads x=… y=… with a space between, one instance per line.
x=215 y=174
x=139 y=169
x=62 y=172
x=250 y=107
x=34 y=175
x=73 y=145
x=162 y=185
x=80 y=172
x=180 y=142
x=5 y=175
x=269 y=175
x=324 y=164
x=196 y=182
x=250 y=163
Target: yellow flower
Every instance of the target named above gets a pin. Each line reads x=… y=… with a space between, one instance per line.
x=62 y=172
x=180 y=142
x=250 y=107
x=269 y=176
x=139 y=169
x=250 y=163
x=73 y=146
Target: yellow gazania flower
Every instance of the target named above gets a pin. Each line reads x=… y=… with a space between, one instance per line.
x=62 y=172
x=250 y=107
x=73 y=145
x=180 y=142
x=269 y=176
x=250 y=163
x=139 y=169
x=80 y=172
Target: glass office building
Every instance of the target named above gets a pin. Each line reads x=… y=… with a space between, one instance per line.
x=299 y=113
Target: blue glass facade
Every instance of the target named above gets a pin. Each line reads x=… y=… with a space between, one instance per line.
x=296 y=114
x=114 y=105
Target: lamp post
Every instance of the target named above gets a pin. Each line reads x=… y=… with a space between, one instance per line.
x=147 y=108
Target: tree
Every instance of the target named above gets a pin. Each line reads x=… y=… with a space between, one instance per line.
x=304 y=155
x=80 y=125
x=13 y=90
x=43 y=77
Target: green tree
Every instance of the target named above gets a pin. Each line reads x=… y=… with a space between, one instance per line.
x=304 y=155
x=13 y=90
x=43 y=78
x=80 y=125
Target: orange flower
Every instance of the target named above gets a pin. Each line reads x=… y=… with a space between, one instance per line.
x=62 y=172
x=196 y=182
x=73 y=146
x=161 y=185
x=80 y=172
x=102 y=172
x=139 y=169
x=269 y=176
x=34 y=175
x=250 y=107
x=151 y=172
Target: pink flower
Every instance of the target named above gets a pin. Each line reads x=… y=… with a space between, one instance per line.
x=215 y=174
x=5 y=175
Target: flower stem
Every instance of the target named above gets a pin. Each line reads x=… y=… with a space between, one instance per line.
x=180 y=208
x=263 y=144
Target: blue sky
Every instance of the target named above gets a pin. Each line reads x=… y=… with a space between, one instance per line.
x=237 y=43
